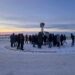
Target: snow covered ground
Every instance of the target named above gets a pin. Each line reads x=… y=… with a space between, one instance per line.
x=34 y=61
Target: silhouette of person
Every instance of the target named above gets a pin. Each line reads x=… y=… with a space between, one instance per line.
x=12 y=39
x=73 y=39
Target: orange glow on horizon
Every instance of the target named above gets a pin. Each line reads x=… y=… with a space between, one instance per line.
x=20 y=29
x=9 y=30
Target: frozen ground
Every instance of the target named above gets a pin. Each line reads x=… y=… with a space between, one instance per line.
x=34 y=61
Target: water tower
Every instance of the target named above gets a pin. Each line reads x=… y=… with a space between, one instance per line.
x=42 y=26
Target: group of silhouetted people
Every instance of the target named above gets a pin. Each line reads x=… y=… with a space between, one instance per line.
x=50 y=40
x=40 y=39
x=17 y=41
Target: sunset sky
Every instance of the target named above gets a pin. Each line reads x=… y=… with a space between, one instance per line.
x=26 y=15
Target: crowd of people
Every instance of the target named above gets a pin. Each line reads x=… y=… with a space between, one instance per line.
x=17 y=41
x=52 y=40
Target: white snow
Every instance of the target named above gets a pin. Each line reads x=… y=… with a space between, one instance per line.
x=34 y=61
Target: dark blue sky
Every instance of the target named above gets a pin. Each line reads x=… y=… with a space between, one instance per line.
x=29 y=13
